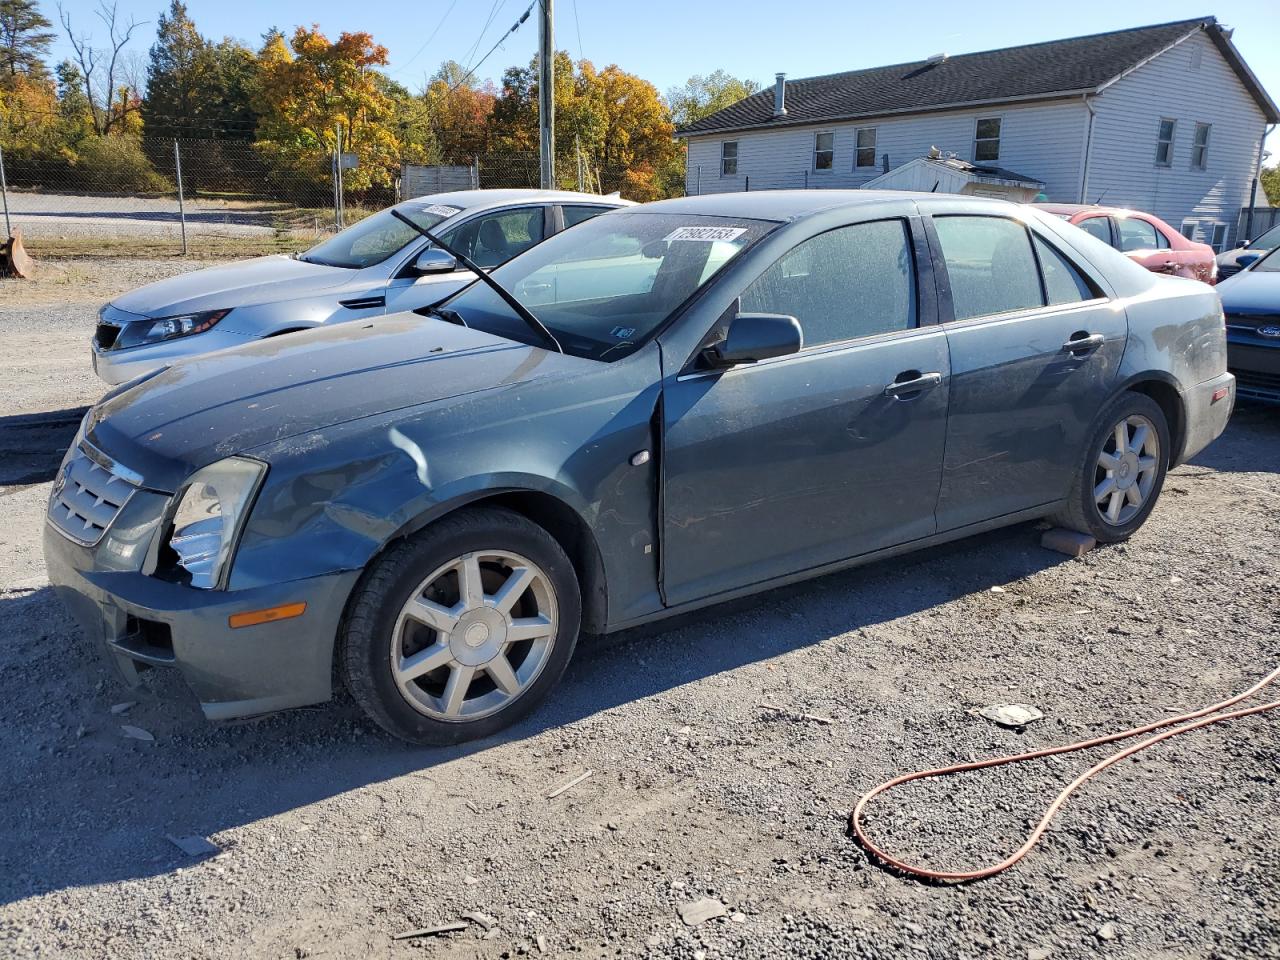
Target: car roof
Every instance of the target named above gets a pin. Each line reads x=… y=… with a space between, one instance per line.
x=1071 y=209
x=479 y=199
x=783 y=205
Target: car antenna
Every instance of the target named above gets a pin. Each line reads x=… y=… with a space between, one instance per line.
x=521 y=310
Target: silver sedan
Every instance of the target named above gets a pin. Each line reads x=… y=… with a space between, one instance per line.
x=377 y=265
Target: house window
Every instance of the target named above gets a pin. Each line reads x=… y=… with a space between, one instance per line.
x=729 y=158
x=1200 y=147
x=1219 y=239
x=1195 y=58
x=1188 y=229
x=824 y=150
x=865 y=156
x=1164 y=143
x=986 y=139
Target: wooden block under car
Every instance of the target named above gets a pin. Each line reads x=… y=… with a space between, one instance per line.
x=1070 y=542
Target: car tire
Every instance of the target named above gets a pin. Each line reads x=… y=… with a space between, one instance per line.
x=417 y=609
x=1107 y=481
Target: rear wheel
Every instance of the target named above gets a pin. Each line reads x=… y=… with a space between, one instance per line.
x=1122 y=472
x=462 y=629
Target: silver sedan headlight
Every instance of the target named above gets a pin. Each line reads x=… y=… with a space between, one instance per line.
x=209 y=517
x=142 y=332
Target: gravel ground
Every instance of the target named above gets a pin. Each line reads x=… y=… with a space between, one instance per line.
x=334 y=838
x=64 y=215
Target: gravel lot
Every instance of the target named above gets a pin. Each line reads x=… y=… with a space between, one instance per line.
x=334 y=838
x=62 y=215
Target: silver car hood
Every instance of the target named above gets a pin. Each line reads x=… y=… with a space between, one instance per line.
x=247 y=282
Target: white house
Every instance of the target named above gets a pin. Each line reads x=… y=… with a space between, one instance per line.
x=1167 y=119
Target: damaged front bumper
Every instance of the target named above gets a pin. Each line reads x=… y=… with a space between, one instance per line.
x=139 y=621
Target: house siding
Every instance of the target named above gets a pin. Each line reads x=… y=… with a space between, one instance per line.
x=1042 y=140
x=1122 y=166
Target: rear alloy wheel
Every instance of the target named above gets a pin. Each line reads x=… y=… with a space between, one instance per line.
x=461 y=629
x=1116 y=485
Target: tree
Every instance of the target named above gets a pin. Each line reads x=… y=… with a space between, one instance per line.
x=1271 y=184
x=459 y=113
x=25 y=36
x=102 y=70
x=178 y=76
x=702 y=96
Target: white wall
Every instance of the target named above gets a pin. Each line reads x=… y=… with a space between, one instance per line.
x=1122 y=167
x=1042 y=140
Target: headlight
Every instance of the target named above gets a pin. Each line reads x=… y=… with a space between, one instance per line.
x=167 y=328
x=209 y=517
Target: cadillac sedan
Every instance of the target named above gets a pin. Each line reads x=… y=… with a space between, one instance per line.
x=667 y=407
x=377 y=265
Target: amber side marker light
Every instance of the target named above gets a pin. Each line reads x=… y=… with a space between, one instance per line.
x=1219 y=394
x=285 y=611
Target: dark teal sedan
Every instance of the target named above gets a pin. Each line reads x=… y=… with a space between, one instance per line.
x=669 y=406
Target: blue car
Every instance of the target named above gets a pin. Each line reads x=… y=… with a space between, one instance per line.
x=1251 y=302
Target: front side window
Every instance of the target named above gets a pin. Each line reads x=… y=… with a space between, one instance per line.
x=1200 y=147
x=990 y=265
x=1164 y=143
x=373 y=239
x=1098 y=226
x=855 y=281
x=986 y=140
x=865 y=155
x=729 y=158
x=1137 y=234
x=824 y=150
x=606 y=286
x=494 y=238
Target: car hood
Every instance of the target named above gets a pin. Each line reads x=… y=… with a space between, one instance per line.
x=1251 y=291
x=247 y=282
x=231 y=401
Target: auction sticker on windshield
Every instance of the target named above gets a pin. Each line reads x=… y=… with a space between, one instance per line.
x=440 y=210
x=706 y=234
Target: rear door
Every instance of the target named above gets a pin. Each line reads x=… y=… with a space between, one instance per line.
x=1034 y=345
x=1146 y=246
x=788 y=464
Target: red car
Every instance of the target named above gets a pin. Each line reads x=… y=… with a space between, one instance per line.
x=1145 y=239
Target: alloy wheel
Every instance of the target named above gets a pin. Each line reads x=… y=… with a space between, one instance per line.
x=1126 y=470
x=474 y=635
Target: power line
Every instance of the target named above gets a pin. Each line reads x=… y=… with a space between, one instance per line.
x=493 y=13
x=513 y=28
x=427 y=42
x=578 y=27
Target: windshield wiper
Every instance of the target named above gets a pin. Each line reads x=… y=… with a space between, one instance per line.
x=520 y=309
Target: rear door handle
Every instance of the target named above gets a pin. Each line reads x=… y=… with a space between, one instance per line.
x=916 y=383
x=1080 y=344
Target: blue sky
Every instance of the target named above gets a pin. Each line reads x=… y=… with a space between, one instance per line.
x=666 y=41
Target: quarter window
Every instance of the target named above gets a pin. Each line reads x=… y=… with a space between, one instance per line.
x=986 y=140
x=1137 y=234
x=1164 y=143
x=1063 y=281
x=1200 y=147
x=575 y=215
x=824 y=150
x=729 y=158
x=989 y=264
x=851 y=282
x=865 y=156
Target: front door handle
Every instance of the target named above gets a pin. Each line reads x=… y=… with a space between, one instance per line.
x=1081 y=344
x=911 y=384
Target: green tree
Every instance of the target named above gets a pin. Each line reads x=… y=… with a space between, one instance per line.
x=178 y=76
x=459 y=112
x=25 y=36
x=1271 y=184
x=702 y=96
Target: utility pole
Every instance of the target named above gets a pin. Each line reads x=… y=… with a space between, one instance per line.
x=546 y=98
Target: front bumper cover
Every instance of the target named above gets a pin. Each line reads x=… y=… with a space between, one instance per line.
x=136 y=619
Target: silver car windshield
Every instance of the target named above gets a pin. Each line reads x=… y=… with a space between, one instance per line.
x=375 y=238
x=607 y=285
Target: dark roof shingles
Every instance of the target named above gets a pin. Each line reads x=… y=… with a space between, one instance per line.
x=1041 y=69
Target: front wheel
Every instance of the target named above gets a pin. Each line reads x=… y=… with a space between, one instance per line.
x=1116 y=485
x=462 y=629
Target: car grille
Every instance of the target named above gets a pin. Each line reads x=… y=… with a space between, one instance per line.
x=1254 y=383
x=1252 y=321
x=106 y=334
x=86 y=498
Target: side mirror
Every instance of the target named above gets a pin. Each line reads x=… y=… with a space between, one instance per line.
x=435 y=260
x=1245 y=259
x=756 y=336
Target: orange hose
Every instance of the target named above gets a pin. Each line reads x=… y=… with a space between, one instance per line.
x=958 y=876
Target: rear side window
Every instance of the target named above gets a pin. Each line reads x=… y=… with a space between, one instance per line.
x=990 y=265
x=575 y=215
x=855 y=281
x=1063 y=282
x=1097 y=226
x=1137 y=234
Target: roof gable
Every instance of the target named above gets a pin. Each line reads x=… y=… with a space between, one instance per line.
x=1036 y=71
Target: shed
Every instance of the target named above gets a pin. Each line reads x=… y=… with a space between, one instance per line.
x=953 y=175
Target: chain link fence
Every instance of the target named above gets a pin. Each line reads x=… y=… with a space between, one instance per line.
x=124 y=196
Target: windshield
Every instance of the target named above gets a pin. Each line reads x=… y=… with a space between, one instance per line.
x=1268 y=241
x=1269 y=263
x=375 y=238
x=606 y=286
